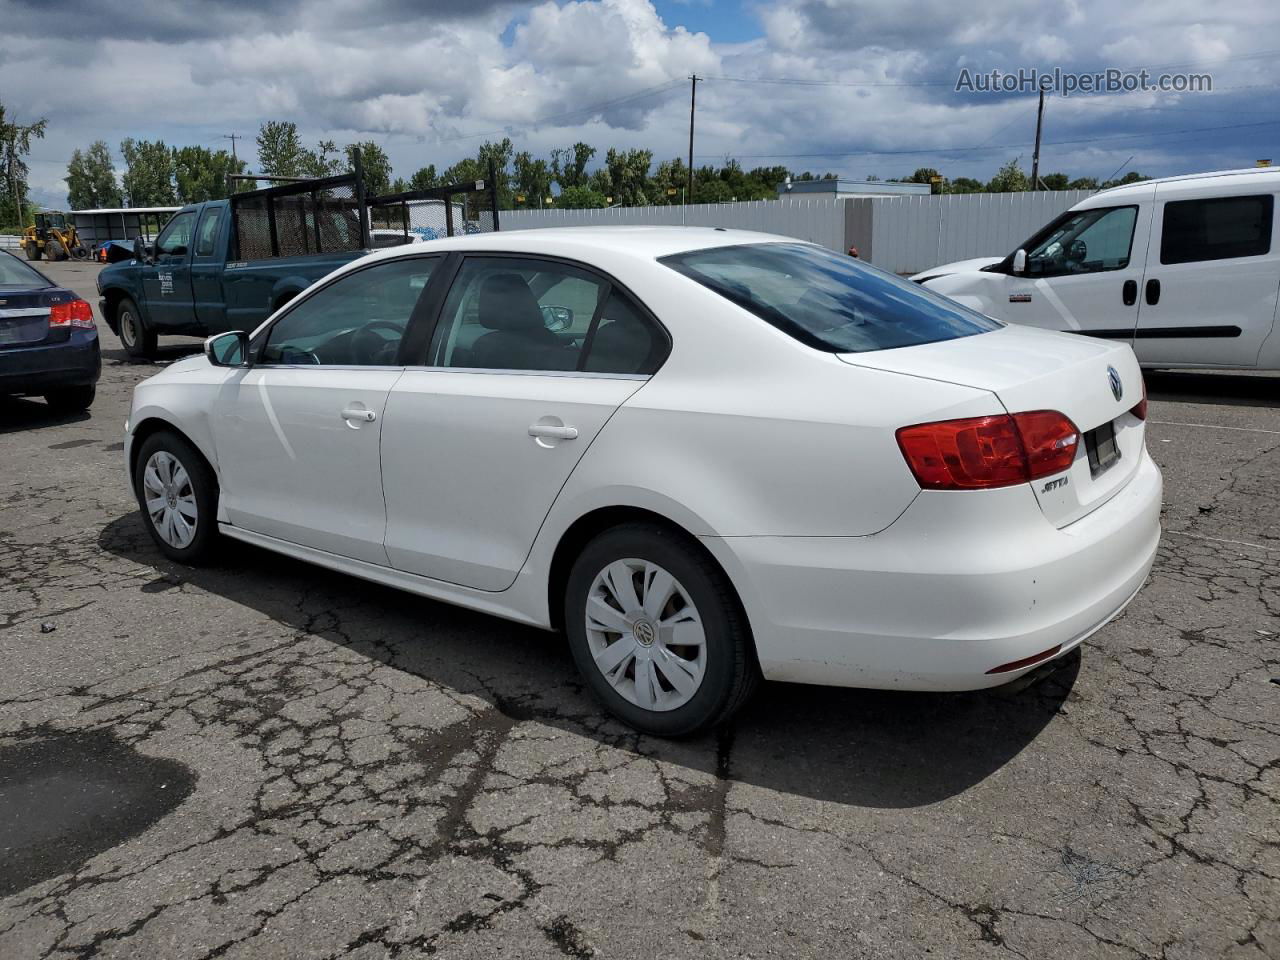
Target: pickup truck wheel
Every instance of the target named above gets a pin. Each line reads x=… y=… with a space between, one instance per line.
x=138 y=342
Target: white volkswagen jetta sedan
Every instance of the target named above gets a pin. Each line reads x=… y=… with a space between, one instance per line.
x=706 y=455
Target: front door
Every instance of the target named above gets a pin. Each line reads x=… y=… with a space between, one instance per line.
x=1212 y=276
x=1084 y=272
x=529 y=360
x=166 y=283
x=298 y=433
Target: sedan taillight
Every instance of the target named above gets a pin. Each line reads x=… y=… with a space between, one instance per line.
x=1139 y=409
x=978 y=453
x=73 y=313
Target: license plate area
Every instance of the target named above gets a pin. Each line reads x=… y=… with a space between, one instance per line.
x=1100 y=445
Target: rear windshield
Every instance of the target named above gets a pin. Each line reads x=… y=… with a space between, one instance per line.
x=15 y=273
x=827 y=301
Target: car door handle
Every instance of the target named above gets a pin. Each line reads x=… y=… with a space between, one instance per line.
x=359 y=414
x=1129 y=292
x=553 y=431
x=1153 y=292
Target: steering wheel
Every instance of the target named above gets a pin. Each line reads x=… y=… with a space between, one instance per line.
x=1078 y=251
x=371 y=349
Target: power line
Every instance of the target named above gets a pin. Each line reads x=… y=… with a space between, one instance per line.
x=1002 y=146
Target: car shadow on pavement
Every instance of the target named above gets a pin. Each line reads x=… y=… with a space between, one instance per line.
x=1228 y=389
x=877 y=749
x=166 y=353
x=20 y=413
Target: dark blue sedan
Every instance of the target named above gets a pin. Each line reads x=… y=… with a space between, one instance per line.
x=48 y=339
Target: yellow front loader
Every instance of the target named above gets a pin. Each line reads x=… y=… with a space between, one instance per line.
x=54 y=237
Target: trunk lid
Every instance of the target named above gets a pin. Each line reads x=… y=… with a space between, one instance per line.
x=24 y=318
x=1030 y=369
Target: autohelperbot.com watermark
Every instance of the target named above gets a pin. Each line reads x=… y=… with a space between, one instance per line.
x=1064 y=83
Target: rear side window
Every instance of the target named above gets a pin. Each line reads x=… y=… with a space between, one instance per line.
x=15 y=273
x=208 y=233
x=826 y=301
x=1217 y=229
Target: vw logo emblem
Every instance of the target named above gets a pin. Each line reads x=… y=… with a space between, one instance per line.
x=1113 y=377
x=644 y=633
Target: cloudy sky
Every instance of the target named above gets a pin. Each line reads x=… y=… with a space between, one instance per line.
x=855 y=88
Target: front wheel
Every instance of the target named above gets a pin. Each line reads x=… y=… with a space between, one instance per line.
x=138 y=341
x=178 y=494
x=657 y=632
x=54 y=251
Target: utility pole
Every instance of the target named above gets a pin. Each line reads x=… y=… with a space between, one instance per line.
x=693 y=100
x=1035 y=157
x=233 y=137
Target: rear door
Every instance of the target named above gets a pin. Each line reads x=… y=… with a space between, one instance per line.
x=206 y=268
x=529 y=360
x=298 y=433
x=166 y=283
x=1213 y=273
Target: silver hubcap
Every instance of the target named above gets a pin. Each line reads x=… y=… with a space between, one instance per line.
x=645 y=635
x=127 y=332
x=171 y=502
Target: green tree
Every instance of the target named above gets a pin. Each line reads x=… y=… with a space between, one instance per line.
x=424 y=179
x=569 y=165
x=1054 y=181
x=91 y=179
x=1132 y=176
x=966 y=185
x=322 y=161
x=1009 y=179
x=580 y=198
x=15 y=145
x=201 y=174
x=532 y=178
x=376 y=166
x=628 y=172
x=1083 y=183
x=148 y=175
x=280 y=151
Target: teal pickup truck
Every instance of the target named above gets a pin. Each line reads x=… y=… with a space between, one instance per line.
x=202 y=277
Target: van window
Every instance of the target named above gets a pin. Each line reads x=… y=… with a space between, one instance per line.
x=1085 y=241
x=1216 y=229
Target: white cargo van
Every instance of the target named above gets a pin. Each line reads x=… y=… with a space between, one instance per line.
x=1187 y=269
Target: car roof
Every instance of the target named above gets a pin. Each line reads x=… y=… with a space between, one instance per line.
x=640 y=242
x=1209 y=178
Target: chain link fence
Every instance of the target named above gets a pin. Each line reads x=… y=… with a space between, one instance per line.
x=299 y=219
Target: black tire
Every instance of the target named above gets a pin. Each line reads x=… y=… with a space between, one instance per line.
x=730 y=674
x=53 y=251
x=138 y=340
x=32 y=250
x=71 y=399
x=204 y=488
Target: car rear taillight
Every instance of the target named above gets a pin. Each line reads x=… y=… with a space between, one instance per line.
x=1139 y=409
x=73 y=313
x=979 y=453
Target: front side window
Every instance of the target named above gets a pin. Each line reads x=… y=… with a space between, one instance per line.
x=175 y=239
x=1218 y=229
x=1086 y=241
x=510 y=313
x=359 y=320
x=208 y=233
x=826 y=301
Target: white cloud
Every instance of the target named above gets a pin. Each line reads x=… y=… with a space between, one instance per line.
x=429 y=81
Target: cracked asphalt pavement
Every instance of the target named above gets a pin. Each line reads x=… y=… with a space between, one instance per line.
x=264 y=759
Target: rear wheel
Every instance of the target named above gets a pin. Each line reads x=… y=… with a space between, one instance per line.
x=54 y=251
x=657 y=631
x=137 y=340
x=179 y=497
x=71 y=399
x=32 y=250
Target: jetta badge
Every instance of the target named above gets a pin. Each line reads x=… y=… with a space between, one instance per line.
x=1113 y=377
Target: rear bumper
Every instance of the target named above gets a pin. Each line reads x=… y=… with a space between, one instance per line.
x=960 y=584
x=76 y=362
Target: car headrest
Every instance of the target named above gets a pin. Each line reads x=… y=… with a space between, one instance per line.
x=507 y=303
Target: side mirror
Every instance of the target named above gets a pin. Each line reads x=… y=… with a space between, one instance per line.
x=1020 y=261
x=228 y=349
x=139 y=250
